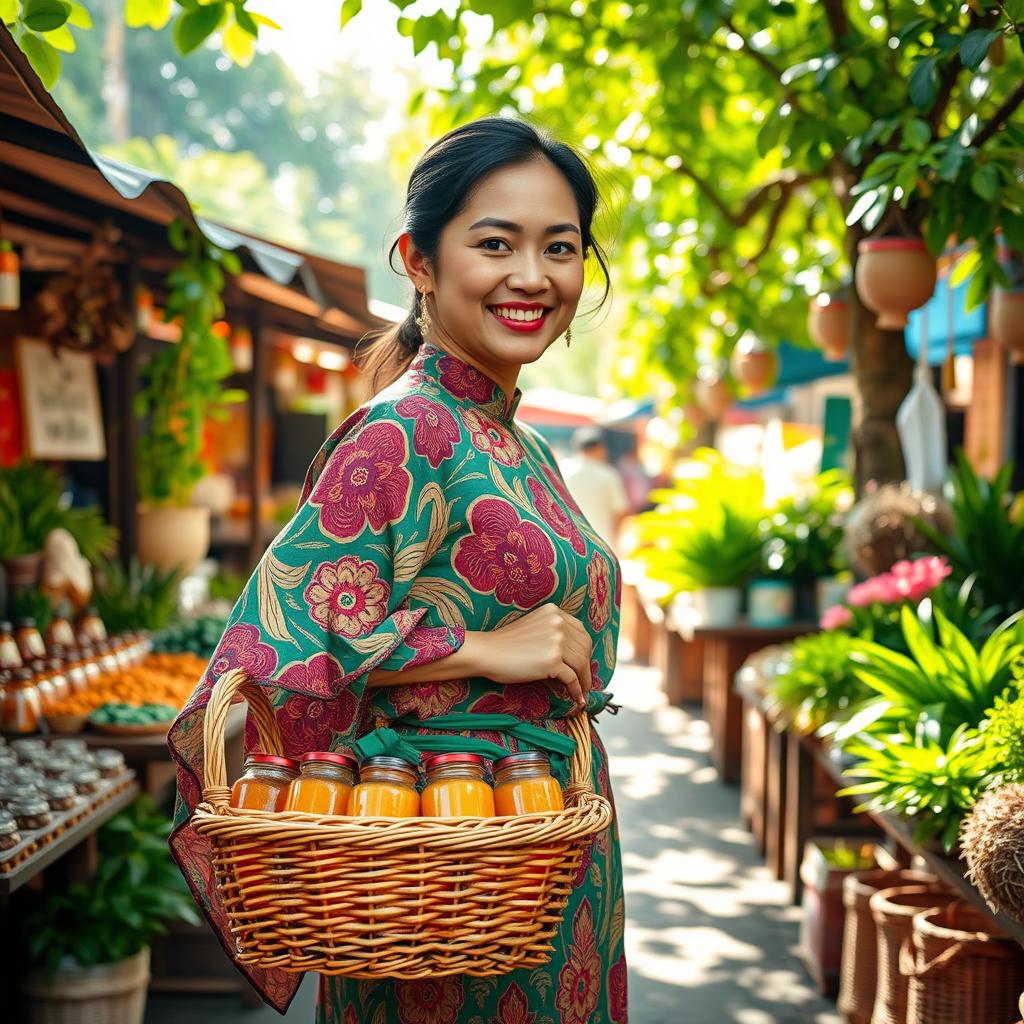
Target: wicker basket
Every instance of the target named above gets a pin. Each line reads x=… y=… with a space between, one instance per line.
x=859 y=973
x=893 y=911
x=387 y=897
x=962 y=968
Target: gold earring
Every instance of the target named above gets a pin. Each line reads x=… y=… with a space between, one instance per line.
x=423 y=316
x=568 y=336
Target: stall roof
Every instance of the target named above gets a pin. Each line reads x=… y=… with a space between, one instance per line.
x=47 y=173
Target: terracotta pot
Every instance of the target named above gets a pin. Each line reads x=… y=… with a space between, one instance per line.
x=23 y=570
x=894 y=276
x=828 y=324
x=173 y=538
x=713 y=396
x=754 y=366
x=1006 y=319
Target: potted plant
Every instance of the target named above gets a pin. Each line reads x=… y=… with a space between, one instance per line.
x=828 y=325
x=181 y=388
x=32 y=506
x=703 y=536
x=894 y=276
x=141 y=597
x=89 y=941
x=754 y=365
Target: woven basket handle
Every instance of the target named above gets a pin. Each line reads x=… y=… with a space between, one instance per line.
x=908 y=963
x=580 y=767
x=232 y=683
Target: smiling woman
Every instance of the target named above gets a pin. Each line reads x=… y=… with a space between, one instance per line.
x=438 y=567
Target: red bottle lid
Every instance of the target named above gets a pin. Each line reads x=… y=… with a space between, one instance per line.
x=437 y=760
x=280 y=762
x=345 y=760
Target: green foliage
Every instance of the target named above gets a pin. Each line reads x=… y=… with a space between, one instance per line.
x=704 y=533
x=31 y=505
x=933 y=781
x=1005 y=733
x=196 y=636
x=803 y=534
x=818 y=684
x=742 y=133
x=143 y=597
x=135 y=890
x=32 y=603
x=988 y=543
x=181 y=385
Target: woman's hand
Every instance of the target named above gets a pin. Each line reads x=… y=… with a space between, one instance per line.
x=546 y=643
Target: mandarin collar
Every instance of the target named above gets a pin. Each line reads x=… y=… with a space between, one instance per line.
x=465 y=382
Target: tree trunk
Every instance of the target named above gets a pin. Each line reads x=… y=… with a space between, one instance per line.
x=116 y=88
x=883 y=372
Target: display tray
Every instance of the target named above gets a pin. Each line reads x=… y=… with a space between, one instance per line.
x=33 y=841
x=149 y=729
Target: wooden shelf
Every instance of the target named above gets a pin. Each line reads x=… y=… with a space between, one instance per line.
x=66 y=841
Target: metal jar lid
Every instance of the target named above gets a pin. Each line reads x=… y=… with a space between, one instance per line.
x=83 y=776
x=107 y=758
x=386 y=761
x=524 y=758
x=29 y=807
x=8 y=826
x=329 y=757
x=433 y=761
x=59 y=789
x=273 y=759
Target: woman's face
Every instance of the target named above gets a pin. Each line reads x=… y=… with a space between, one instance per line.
x=509 y=271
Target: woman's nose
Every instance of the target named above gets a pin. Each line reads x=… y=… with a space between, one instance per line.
x=528 y=274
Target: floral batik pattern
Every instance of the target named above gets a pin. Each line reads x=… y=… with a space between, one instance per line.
x=428 y=512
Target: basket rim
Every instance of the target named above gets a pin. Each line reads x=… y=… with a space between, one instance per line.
x=925 y=927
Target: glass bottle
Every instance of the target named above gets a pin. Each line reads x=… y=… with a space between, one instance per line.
x=43 y=681
x=30 y=643
x=523 y=784
x=386 y=789
x=22 y=705
x=264 y=783
x=456 y=787
x=61 y=686
x=89 y=628
x=59 y=632
x=10 y=656
x=324 y=785
x=90 y=663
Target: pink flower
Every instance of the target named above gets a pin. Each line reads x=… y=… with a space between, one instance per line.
x=529 y=702
x=556 y=481
x=505 y=555
x=318 y=676
x=579 y=981
x=425 y=700
x=436 y=433
x=430 y=643
x=513 y=1008
x=617 y=990
x=465 y=381
x=347 y=597
x=241 y=647
x=488 y=437
x=906 y=581
x=555 y=516
x=310 y=724
x=598 y=592
x=836 y=617
x=364 y=481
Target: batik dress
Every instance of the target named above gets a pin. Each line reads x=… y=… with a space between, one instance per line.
x=429 y=512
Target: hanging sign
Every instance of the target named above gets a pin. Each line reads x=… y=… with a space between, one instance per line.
x=60 y=402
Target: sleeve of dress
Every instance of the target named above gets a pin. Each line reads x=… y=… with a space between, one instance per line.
x=327 y=604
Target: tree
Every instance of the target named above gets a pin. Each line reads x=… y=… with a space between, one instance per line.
x=763 y=142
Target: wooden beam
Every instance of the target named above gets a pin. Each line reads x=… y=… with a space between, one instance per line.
x=259 y=413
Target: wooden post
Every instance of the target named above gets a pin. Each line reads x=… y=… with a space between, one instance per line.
x=799 y=809
x=259 y=411
x=775 y=801
x=124 y=436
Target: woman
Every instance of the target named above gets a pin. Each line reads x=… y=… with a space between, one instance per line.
x=437 y=563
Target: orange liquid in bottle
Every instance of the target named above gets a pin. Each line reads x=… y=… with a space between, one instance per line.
x=259 y=795
x=458 y=798
x=528 y=796
x=324 y=785
x=384 y=800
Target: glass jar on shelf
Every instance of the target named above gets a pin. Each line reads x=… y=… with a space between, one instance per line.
x=30 y=643
x=23 y=705
x=31 y=813
x=10 y=656
x=10 y=837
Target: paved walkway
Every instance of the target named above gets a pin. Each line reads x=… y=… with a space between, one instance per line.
x=709 y=934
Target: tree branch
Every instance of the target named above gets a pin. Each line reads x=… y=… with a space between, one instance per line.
x=1000 y=117
x=838 y=22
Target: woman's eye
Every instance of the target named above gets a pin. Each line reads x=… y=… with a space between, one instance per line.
x=491 y=244
x=567 y=248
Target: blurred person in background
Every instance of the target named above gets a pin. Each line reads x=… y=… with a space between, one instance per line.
x=595 y=484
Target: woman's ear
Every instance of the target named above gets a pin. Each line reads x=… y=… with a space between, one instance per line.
x=417 y=266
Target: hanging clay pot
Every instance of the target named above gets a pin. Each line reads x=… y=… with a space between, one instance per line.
x=894 y=276
x=713 y=395
x=754 y=365
x=1006 y=319
x=828 y=324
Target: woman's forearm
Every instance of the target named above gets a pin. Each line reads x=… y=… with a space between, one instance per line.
x=466 y=661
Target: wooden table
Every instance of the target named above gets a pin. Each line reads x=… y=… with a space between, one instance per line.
x=724 y=652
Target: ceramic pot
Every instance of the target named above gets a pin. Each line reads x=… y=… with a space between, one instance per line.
x=754 y=366
x=770 y=603
x=713 y=396
x=1006 y=319
x=828 y=325
x=830 y=591
x=894 y=276
x=23 y=570
x=172 y=537
x=718 y=607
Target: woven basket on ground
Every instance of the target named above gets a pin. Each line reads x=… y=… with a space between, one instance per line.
x=390 y=897
x=962 y=967
x=893 y=911
x=858 y=976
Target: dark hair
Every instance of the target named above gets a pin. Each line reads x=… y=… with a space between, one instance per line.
x=441 y=184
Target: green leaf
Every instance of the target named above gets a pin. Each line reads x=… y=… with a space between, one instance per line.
x=349 y=9
x=974 y=49
x=61 y=39
x=965 y=266
x=1013 y=229
x=985 y=182
x=44 y=15
x=924 y=83
x=246 y=21
x=45 y=60
x=193 y=28
x=9 y=10
x=239 y=45
x=916 y=133
x=152 y=14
